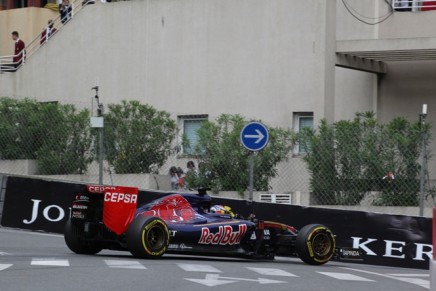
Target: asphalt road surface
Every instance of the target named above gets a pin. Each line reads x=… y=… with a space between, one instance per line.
x=36 y=261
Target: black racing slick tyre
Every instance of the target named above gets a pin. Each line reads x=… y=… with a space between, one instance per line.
x=72 y=236
x=315 y=244
x=147 y=237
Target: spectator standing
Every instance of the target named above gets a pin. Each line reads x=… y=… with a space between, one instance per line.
x=20 y=50
x=65 y=10
x=174 y=178
x=191 y=168
x=181 y=178
x=48 y=32
x=191 y=179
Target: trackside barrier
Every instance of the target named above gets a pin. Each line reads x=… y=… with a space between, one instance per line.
x=433 y=261
x=2 y=193
x=391 y=240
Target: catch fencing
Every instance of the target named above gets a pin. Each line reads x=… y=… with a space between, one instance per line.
x=355 y=165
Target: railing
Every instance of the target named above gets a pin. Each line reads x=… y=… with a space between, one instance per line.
x=6 y=62
x=413 y=5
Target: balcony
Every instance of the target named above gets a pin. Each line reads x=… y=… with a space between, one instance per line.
x=413 y=5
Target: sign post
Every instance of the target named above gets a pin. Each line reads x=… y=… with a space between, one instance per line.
x=98 y=122
x=254 y=137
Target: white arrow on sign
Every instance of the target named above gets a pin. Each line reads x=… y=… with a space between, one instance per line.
x=212 y=280
x=4 y=254
x=259 y=136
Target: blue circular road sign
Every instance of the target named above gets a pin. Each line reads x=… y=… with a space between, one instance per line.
x=254 y=136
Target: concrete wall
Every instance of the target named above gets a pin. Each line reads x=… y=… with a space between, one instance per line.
x=29 y=22
x=409 y=25
x=356 y=91
x=348 y=28
x=402 y=93
x=263 y=59
x=398 y=25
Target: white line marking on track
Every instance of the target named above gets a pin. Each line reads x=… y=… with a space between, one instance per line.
x=345 y=276
x=198 y=268
x=409 y=275
x=4 y=266
x=124 y=264
x=420 y=282
x=272 y=272
x=50 y=262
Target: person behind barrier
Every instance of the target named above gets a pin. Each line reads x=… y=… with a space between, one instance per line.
x=174 y=178
x=20 y=50
x=48 y=32
x=65 y=10
x=181 y=178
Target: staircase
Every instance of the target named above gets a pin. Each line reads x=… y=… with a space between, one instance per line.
x=6 y=62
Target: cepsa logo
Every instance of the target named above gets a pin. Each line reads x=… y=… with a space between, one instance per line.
x=99 y=189
x=120 y=197
x=224 y=236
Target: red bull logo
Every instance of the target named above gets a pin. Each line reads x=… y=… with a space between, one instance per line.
x=224 y=236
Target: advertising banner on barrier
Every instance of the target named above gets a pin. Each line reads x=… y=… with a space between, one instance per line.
x=390 y=240
x=395 y=240
x=38 y=204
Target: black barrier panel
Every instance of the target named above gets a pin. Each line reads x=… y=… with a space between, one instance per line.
x=45 y=205
x=38 y=204
x=394 y=240
x=390 y=240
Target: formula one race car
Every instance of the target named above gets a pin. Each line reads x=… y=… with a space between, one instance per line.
x=110 y=218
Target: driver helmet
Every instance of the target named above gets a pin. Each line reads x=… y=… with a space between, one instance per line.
x=221 y=209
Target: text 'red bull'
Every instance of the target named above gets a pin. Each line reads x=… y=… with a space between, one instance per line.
x=224 y=236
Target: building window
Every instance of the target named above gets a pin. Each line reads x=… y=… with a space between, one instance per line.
x=302 y=120
x=190 y=124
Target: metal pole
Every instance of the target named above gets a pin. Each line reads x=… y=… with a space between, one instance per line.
x=423 y=163
x=100 y=157
x=251 y=177
x=100 y=109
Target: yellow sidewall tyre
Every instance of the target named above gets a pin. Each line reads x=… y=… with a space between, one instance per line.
x=315 y=244
x=147 y=237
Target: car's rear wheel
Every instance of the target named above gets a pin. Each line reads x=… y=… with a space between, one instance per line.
x=315 y=244
x=147 y=237
x=73 y=235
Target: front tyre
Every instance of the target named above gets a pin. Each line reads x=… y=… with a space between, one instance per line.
x=147 y=237
x=315 y=244
x=73 y=235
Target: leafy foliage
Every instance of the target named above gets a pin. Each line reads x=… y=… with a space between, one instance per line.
x=56 y=135
x=350 y=158
x=67 y=146
x=223 y=162
x=137 y=137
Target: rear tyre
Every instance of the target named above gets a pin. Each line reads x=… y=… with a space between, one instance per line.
x=147 y=237
x=315 y=244
x=72 y=236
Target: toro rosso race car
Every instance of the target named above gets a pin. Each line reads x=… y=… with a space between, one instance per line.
x=110 y=218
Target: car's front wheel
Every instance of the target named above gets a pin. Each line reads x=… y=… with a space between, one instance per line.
x=315 y=244
x=147 y=237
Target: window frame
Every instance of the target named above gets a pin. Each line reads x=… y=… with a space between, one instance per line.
x=181 y=124
x=297 y=116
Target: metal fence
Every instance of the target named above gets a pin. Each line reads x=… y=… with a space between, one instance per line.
x=357 y=164
x=413 y=5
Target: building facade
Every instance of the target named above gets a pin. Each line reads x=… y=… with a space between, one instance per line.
x=288 y=63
